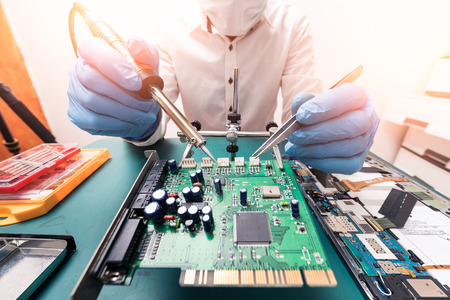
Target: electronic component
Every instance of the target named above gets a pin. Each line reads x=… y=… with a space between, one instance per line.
x=388 y=267
x=187 y=193
x=206 y=162
x=358 y=185
x=207 y=210
x=188 y=163
x=254 y=161
x=243 y=196
x=376 y=247
x=193 y=176
x=397 y=206
x=239 y=162
x=190 y=224
x=357 y=213
x=207 y=223
x=271 y=191
x=197 y=194
x=171 y=204
x=223 y=162
x=340 y=224
x=295 y=212
x=160 y=196
x=218 y=186
x=154 y=212
x=194 y=214
x=173 y=166
x=200 y=177
x=426 y=287
x=252 y=229
x=183 y=213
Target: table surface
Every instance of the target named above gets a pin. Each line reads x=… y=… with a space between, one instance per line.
x=88 y=211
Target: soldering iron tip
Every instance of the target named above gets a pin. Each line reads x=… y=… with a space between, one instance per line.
x=203 y=147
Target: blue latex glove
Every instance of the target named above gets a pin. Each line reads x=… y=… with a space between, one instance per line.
x=102 y=91
x=338 y=129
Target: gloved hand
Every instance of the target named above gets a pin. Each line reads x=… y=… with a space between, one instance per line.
x=338 y=129
x=102 y=91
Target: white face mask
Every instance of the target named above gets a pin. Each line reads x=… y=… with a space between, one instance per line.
x=233 y=17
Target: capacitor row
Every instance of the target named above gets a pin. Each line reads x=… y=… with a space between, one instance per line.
x=162 y=202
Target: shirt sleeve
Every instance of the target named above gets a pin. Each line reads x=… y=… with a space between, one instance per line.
x=298 y=74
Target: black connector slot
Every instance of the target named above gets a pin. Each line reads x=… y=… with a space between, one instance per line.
x=119 y=242
x=153 y=181
x=119 y=258
x=115 y=265
x=392 y=234
x=414 y=258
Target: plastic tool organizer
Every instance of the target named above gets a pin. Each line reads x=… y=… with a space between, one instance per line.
x=42 y=194
x=23 y=168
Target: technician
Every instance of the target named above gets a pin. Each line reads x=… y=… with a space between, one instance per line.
x=196 y=51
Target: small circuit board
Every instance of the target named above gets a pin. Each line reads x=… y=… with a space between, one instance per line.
x=362 y=217
x=251 y=238
x=227 y=224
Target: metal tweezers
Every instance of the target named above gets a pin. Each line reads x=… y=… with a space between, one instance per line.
x=292 y=125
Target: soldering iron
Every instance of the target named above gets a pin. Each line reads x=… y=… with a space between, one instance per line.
x=152 y=83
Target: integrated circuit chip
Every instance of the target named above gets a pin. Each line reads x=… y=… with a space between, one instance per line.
x=252 y=228
x=269 y=191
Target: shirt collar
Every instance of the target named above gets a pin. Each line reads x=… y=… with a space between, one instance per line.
x=200 y=20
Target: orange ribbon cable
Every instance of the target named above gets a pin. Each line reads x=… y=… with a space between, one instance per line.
x=358 y=185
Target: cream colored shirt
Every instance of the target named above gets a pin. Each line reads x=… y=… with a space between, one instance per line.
x=197 y=63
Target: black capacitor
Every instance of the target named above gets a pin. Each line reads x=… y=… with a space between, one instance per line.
x=190 y=225
x=194 y=177
x=200 y=177
x=207 y=211
x=171 y=204
x=207 y=223
x=197 y=194
x=218 y=186
x=243 y=193
x=295 y=209
x=160 y=196
x=183 y=213
x=187 y=193
x=154 y=212
x=173 y=166
x=194 y=214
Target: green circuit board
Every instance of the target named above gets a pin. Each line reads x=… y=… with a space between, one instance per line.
x=257 y=244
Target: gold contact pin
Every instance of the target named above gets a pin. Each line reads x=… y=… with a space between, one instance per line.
x=189 y=277
x=255 y=278
x=293 y=277
x=271 y=280
x=247 y=277
x=261 y=278
x=316 y=278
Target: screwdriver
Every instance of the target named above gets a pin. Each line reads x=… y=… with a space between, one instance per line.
x=152 y=83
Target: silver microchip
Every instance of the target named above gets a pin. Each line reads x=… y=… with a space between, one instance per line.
x=252 y=228
x=426 y=288
x=271 y=191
